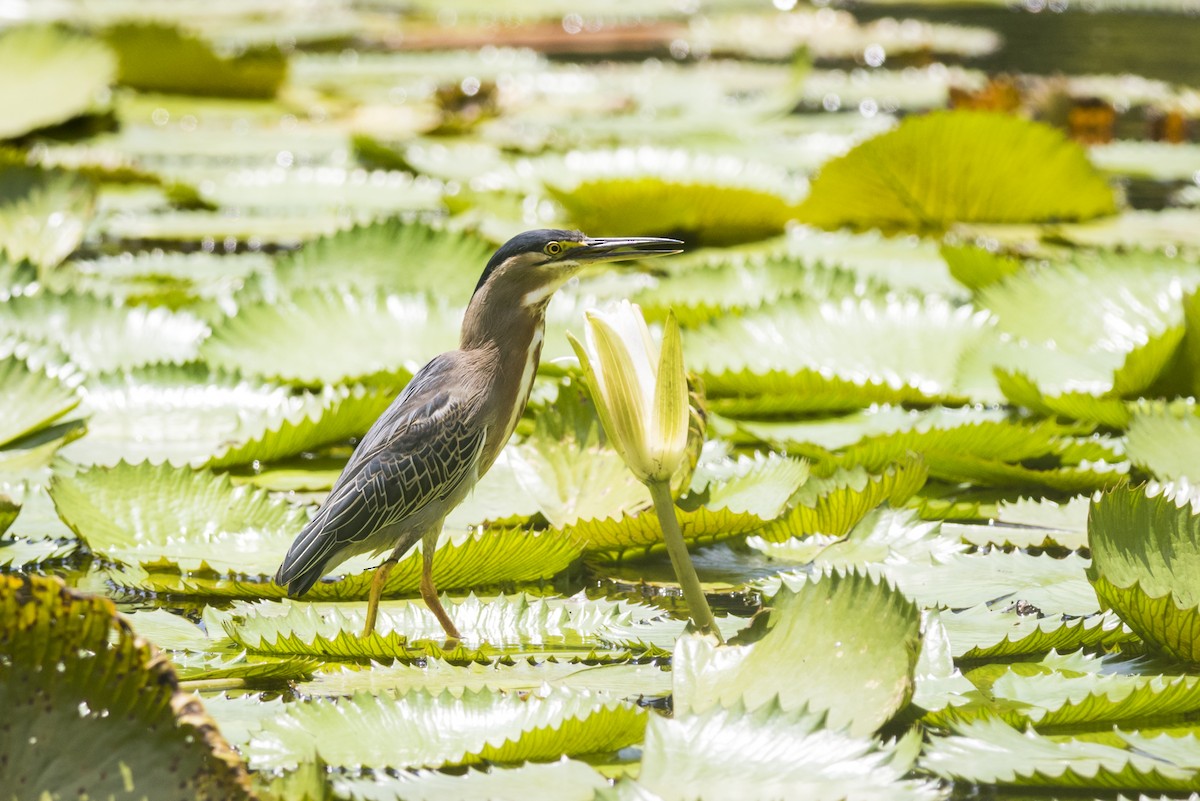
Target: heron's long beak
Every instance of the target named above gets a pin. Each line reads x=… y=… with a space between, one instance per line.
x=620 y=248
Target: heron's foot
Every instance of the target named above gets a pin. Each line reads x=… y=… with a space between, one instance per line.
x=453 y=638
x=370 y=627
x=377 y=583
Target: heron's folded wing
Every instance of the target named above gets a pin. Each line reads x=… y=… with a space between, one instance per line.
x=416 y=456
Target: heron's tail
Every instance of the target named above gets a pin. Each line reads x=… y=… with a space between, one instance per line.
x=306 y=560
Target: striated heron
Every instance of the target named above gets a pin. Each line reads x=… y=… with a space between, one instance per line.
x=424 y=454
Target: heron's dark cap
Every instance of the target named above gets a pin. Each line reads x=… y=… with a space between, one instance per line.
x=529 y=241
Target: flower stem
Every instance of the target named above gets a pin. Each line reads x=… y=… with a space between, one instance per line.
x=685 y=571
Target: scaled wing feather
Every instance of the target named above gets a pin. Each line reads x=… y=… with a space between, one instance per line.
x=419 y=451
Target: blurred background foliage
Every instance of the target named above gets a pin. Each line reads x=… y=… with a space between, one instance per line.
x=938 y=300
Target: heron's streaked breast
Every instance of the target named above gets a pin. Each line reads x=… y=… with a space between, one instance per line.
x=532 y=355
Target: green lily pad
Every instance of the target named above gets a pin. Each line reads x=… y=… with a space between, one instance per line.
x=633 y=682
x=62 y=76
x=1122 y=301
x=990 y=751
x=191 y=519
x=977 y=268
x=8 y=513
x=175 y=413
x=755 y=493
x=568 y=471
x=855 y=638
x=1097 y=406
x=30 y=399
x=315 y=337
x=565 y=780
x=839 y=38
x=391 y=255
x=998 y=453
x=702 y=293
x=659 y=193
x=757 y=394
x=43 y=214
x=1136 y=228
x=883 y=538
x=475 y=558
x=1030 y=523
x=982 y=633
x=1144 y=552
x=863 y=351
x=768 y=754
x=421 y=729
x=567 y=629
x=99 y=335
x=1156 y=161
x=192 y=532
x=833 y=506
x=318 y=420
x=911 y=89
x=945 y=167
x=198 y=281
x=1163 y=440
x=98 y=690
x=154 y=57
x=1065 y=692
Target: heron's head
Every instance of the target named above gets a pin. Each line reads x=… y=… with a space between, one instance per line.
x=532 y=265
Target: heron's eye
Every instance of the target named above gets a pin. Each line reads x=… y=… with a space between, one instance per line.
x=553 y=249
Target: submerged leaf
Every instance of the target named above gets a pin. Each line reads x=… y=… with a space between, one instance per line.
x=94 y=709
x=946 y=167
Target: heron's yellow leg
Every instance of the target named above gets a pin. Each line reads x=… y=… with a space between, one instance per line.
x=429 y=592
x=380 y=579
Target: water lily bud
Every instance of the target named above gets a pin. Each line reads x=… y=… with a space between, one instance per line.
x=640 y=390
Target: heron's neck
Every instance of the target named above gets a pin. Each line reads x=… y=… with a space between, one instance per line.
x=508 y=332
x=507 y=321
